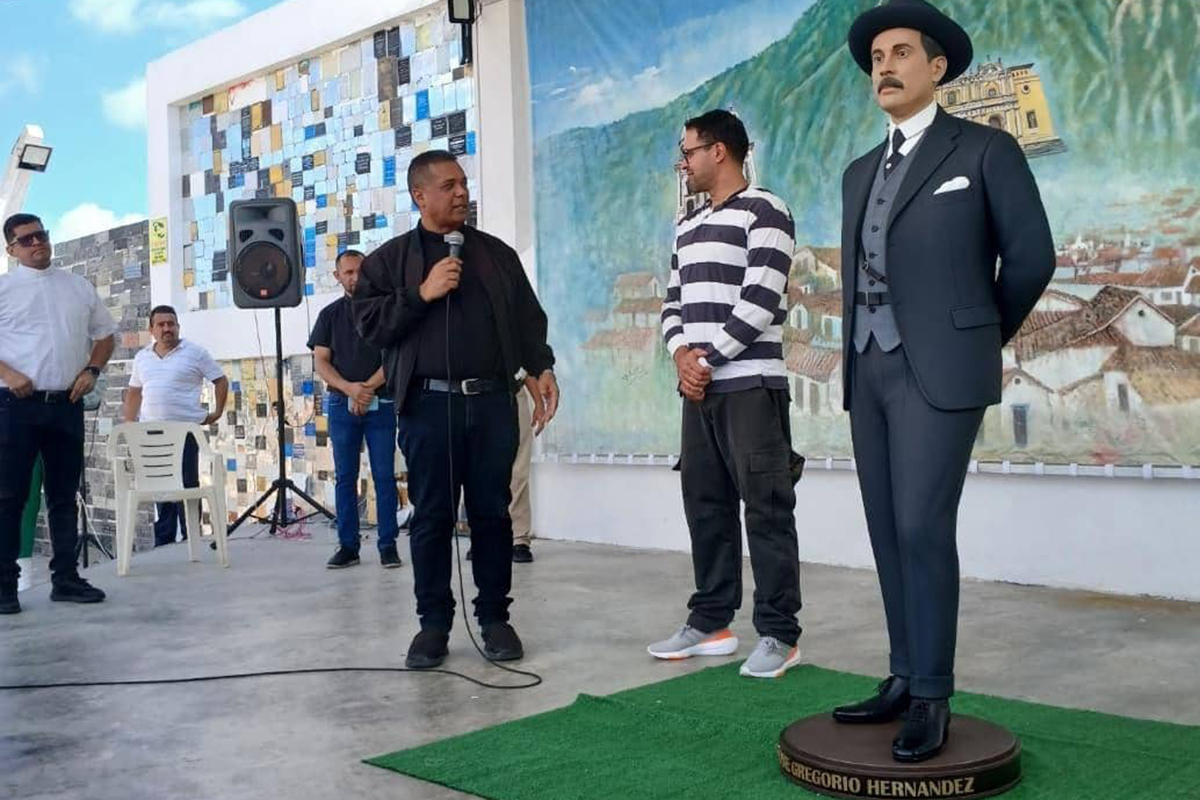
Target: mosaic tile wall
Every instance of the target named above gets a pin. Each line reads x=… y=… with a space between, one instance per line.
x=248 y=438
x=336 y=133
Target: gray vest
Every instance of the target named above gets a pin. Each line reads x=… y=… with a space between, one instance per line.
x=879 y=321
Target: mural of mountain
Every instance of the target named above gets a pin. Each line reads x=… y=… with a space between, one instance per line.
x=1121 y=78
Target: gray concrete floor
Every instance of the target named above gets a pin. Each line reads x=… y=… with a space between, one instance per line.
x=585 y=613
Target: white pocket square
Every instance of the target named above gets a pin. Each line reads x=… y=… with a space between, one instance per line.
x=954 y=185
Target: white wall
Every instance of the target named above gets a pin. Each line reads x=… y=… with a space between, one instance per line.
x=506 y=178
x=1120 y=535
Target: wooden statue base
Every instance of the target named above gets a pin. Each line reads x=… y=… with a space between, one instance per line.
x=980 y=760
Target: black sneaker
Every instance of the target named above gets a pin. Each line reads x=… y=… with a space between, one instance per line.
x=428 y=649
x=342 y=557
x=389 y=558
x=9 y=604
x=522 y=554
x=501 y=643
x=70 y=588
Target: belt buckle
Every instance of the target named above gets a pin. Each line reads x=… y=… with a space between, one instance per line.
x=467 y=384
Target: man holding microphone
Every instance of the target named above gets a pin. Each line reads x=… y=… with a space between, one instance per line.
x=456 y=318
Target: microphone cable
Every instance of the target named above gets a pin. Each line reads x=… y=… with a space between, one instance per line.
x=536 y=678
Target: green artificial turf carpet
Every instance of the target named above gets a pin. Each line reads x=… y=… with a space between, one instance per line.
x=712 y=734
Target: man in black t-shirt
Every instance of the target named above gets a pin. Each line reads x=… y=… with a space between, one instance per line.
x=353 y=370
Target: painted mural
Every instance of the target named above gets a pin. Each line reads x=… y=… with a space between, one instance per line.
x=1102 y=95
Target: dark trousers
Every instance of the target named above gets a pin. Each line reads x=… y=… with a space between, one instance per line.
x=912 y=461
x=172 y=514
x=736 y=449
x=346 y=433
x=478 y=434
x=55 y=430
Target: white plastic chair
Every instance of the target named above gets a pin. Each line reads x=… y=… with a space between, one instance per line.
x=153 y=472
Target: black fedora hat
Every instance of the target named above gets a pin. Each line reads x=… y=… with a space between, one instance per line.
x=918 y=15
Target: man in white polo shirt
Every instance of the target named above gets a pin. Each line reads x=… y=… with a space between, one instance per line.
x=55 y=338
x=164 y=386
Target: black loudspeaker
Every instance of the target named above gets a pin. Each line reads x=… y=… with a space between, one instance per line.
x=266 y=259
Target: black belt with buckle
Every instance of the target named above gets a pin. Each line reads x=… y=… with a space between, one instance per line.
x=40 y=397
x=871 y=299
x=468 y=387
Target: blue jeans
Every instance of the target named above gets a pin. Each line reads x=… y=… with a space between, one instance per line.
x=479 y=436
x=346 y=434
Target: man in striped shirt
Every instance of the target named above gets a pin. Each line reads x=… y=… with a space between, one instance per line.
x=722 y=321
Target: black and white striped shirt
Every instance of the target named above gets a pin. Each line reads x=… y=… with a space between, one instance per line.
x=728 y=289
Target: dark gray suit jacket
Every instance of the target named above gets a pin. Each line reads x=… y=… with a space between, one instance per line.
x=953 y=310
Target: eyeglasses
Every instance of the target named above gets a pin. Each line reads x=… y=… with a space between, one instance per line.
x=30 y=239
x=685 y=153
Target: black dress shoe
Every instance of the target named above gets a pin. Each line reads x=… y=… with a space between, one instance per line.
x=890 y=701
x=501 y=643
x=342 y=557
x=9 y=603
x=70 y=588
x=522 y=554
x=428 y=649
x=389 y=558
x=926 y=729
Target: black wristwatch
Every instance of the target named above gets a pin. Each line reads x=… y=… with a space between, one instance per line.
x=92 y=369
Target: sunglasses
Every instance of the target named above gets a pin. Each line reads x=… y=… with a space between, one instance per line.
x=30 y=239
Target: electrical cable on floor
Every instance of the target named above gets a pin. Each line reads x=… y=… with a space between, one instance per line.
x=268 y=674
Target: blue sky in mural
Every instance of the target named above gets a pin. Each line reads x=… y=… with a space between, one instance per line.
x=77 y=68
x=593 y=67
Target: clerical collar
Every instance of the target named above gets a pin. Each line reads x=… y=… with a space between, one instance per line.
x=33 y=272
x=423 y=231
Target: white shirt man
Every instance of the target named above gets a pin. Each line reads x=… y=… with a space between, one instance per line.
x=164 y=386
x=55 y=338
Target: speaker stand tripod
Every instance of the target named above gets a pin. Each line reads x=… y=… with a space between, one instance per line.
x=282 y=515
x=86 y=529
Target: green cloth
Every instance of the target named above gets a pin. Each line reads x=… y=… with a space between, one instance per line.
x=712 y=734
x=30 y=516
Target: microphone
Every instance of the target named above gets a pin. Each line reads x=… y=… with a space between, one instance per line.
x=455 y=240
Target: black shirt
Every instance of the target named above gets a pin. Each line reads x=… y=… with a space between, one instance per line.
x=474 y=346
x=354 y=359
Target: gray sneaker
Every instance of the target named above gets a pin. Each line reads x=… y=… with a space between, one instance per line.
x=770 y=659
x=690 y=642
